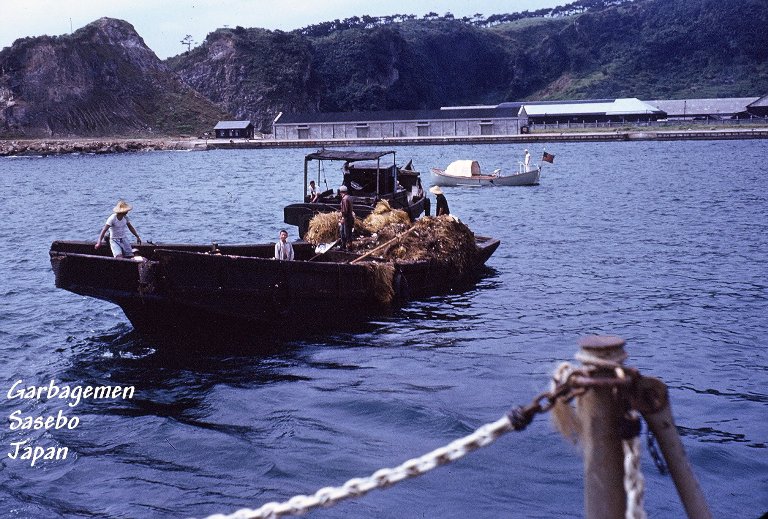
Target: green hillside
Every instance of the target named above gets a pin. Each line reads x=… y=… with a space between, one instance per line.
x=109 y=83
x=588 y=49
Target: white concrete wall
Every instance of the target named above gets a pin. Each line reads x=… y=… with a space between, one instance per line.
x=390 y=129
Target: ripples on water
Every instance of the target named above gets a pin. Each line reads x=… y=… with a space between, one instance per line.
x=661 y=243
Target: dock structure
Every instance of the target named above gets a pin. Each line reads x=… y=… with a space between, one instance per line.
x=61 y=146
x=614 y=136
x=512 y=118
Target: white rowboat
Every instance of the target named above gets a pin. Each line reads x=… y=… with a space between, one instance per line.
x=467 y=173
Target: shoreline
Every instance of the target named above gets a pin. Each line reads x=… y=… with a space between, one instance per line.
x=36 y=147
x=107 y=145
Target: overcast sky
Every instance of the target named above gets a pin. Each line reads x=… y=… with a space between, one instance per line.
x=164 y=23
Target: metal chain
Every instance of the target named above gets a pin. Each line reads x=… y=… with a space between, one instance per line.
x=516 y=420
x=568 y=383
x=655 y=455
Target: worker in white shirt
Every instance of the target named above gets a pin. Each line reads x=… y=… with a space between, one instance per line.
x=283 y=248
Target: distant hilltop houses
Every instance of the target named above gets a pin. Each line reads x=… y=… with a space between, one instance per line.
x=509 y=118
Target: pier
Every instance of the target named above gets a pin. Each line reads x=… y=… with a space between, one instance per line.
x=106 y=145
x=609 y=136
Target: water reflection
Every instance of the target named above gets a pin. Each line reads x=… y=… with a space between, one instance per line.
x=598 y=247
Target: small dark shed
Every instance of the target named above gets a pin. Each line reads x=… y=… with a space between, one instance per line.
x=234 y=129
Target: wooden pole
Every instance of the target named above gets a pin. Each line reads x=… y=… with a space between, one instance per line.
x=600 y=413
x=655 y=408
x=380 y=247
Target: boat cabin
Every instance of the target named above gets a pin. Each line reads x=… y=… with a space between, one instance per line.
x=366 y=174
x=370 y=176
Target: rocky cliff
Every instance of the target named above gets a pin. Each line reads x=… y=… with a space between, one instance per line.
x=652 y=49
x=103 y=80
x=100 y=80
x=253 y=73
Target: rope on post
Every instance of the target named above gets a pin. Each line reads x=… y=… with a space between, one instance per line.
x=610 y=431
x=563 y=415
x=634 y=483
x=632 y=394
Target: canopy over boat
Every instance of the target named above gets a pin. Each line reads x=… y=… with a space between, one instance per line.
x=350 y=156
x=463 y=168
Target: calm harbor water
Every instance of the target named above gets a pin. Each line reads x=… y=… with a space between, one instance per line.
x=664 y=244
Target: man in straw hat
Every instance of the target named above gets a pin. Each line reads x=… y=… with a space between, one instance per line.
x=441 y=204
x=118 y=226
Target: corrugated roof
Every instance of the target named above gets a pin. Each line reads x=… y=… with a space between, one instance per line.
x=627 y=106
x=517 y=104
x=347 y=155
x=232 y=125
x=398 y=115
x=676 y=107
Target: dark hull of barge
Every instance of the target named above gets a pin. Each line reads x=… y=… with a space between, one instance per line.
x=185 y=293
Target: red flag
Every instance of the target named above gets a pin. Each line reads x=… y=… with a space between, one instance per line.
x=548 y=157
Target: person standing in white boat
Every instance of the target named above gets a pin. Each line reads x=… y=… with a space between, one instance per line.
x=283 y=248
x=118 y=226
x=527 y=160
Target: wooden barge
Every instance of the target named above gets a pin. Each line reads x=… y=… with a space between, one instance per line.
x=184 y=291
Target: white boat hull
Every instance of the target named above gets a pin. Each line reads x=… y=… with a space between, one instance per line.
x=527 y=178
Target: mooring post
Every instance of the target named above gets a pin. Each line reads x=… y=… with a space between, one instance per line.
x=600 y=413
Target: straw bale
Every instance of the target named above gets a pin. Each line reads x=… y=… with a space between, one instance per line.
x=383 y=275
x=441 y=239
x=382 y=207
x=384 y=215
x=323 y=228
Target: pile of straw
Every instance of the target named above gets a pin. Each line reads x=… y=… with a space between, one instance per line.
x=324 y=227
x=382 y=216
x=382 y=280
x=441 y=239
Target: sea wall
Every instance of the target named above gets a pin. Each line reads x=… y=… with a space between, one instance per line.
x=605 y=136
x=43 y=147
x=107 y=145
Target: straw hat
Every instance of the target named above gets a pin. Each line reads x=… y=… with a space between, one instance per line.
x=343 y=189
x=435 y=190
x=122 y=207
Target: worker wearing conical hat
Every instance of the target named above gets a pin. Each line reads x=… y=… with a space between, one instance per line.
x=441 y=204
x=118 y=226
